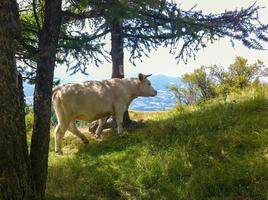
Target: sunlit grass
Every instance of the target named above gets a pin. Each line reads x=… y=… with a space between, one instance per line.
x=214 y=150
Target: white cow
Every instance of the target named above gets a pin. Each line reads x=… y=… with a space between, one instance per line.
x=92 y=100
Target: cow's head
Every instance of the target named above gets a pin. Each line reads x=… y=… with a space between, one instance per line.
x=146 y=90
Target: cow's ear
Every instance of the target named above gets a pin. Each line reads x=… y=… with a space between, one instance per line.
x=148 y=75
x=141 y=77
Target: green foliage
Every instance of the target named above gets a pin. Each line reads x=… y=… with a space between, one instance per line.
x=197 y=86
x=29 y=118
x=242 y=74
x=209 y=82
x=200 y=79
x=217 y=150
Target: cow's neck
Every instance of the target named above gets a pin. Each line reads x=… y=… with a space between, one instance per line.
x=134 y=91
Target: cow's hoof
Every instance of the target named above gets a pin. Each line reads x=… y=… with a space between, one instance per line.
x=122 y=135
x=98 y=137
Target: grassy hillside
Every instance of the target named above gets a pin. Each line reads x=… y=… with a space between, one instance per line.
x=214 y=150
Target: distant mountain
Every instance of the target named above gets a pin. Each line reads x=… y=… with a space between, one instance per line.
x=161 y=81
x=164 y=99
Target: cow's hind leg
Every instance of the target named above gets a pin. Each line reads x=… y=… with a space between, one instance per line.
x=75 y=131
x=59 y=133
x=100 y=126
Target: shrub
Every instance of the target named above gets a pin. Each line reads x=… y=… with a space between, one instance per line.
x=210 y=82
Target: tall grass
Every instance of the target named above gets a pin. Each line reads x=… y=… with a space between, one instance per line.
x=214 y=150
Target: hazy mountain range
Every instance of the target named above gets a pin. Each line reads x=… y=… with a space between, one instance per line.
x=164 y=99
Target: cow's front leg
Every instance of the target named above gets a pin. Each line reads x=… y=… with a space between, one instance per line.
x=119 y=113
x=119 y=121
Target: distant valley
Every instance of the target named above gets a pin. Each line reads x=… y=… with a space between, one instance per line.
x=164 y=99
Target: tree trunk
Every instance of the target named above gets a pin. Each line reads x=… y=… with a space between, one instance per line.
x=15 y=172
x=48 y=42
x=117 y=49
x=117 y=53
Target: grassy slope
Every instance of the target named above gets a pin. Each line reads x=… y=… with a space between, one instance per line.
x=211 y=151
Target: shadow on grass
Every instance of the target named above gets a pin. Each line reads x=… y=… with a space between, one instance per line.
x=217 y=151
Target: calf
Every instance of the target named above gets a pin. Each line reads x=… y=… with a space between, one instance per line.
x=92 y=100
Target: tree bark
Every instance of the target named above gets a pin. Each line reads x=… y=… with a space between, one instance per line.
x=15 y=172
x=48 y=42
x=117 y=53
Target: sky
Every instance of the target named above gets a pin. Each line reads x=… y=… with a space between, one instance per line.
x=220 y=52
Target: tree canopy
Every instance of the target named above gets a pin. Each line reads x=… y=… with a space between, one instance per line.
x=146 y=25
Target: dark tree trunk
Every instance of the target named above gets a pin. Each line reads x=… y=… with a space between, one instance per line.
x=48 y=42
x=117 y=53
x=15 y=172
x=117 y=49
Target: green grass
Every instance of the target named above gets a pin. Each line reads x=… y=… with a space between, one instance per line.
x=215 y=150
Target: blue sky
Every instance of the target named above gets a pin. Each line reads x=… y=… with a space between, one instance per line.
x=161 y=62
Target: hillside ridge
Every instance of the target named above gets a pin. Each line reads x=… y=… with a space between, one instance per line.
x=213 y=150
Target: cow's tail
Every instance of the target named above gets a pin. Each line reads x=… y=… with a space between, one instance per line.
x=54 y=92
